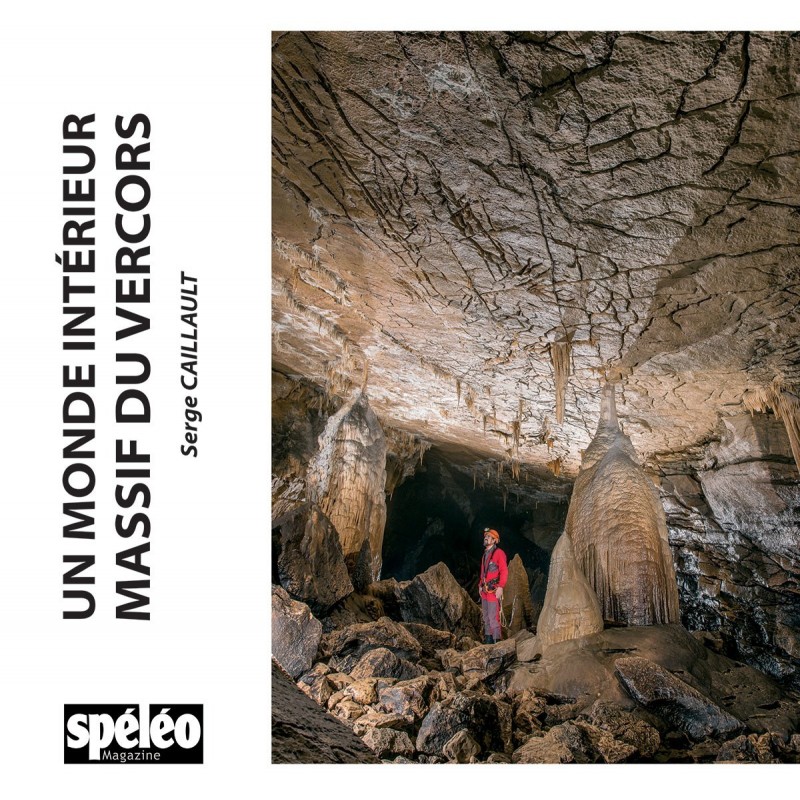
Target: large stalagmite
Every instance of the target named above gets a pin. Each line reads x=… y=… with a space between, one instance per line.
x=571 y=608
x=618 y=529
x=346 y=478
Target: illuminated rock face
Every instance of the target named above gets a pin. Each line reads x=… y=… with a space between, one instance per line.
x=571 y=608
x=619 y=532
x=346 y=479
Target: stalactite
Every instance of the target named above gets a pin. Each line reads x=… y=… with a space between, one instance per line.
x=458 y=392
x=784 y=403
x=555 y=466
x=516 y=430
x=546 y=434
x=469 y=399
x=560 y=353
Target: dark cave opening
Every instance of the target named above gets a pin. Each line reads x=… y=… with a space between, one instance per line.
x=440 y=512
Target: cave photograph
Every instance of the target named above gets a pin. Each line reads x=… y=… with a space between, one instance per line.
x=535 y=397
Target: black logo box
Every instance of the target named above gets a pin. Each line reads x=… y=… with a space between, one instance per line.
x=175 y=754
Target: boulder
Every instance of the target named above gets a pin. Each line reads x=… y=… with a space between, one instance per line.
x=611 y=750
x=680 y=705
x=348 y=645
x=435 y=598
x=528 y=649
x=626 y=727
x=444 y=684
x=383 y=663
x=296 y=633
x=386 y=591
x=571 y=608
x=386 y=742
x=430 y=639
x=363 y=691
x=347 y=709
x=407 y=698
x=483 y=661
x=529 y=713
x=564 y=744
x=375 y=719
x=461 y=748
x=752 y=749
x=316 y=685
x=310 y=563
x=485 y=718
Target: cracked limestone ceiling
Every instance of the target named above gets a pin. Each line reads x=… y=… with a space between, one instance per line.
x=454 y=214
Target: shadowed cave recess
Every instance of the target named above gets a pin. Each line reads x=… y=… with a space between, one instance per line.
x=545 y=283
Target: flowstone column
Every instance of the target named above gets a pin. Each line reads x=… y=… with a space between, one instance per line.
x=618 y=530
x=346 y=478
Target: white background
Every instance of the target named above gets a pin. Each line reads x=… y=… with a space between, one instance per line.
x=201 y=73
x=204 y=84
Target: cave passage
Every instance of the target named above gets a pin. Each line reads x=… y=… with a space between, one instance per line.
x=439 y=514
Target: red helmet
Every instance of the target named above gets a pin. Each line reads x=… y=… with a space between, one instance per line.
x=491 y=532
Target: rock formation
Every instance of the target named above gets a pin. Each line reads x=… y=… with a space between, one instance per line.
x=571 y=608
x=473 y=227
x=517 y=605
x=347 y=479
x=618 y=530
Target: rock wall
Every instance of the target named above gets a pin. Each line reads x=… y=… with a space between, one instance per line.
x=734 y=519
x=618 y=530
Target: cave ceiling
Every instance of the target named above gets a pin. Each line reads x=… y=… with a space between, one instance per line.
x=477 y=225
